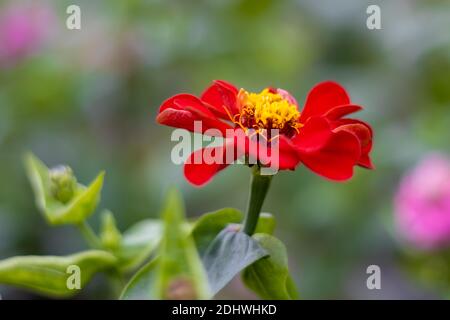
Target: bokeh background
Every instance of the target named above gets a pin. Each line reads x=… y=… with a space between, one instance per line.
x=88 y=98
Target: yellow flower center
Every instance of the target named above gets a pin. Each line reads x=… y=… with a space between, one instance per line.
x=267 y=110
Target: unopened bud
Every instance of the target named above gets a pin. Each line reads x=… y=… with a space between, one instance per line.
x=181 y=289
x=62 y=183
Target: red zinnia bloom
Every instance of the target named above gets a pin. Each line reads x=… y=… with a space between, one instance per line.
x=319 y=136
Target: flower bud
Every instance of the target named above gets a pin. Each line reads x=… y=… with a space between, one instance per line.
x=58 y=195
x=63 y=183
x=181 y=289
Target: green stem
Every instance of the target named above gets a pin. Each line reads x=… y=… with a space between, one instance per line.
x=258 y=189
x=116 y=279
x=89 y=235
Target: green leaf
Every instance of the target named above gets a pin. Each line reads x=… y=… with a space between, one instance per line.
x=269 y=277
x=110 y=236
x=49 y=274
x=177 y=272
x=266 y=223
x=209 y=225
x=229 y=253
x=142 y=284
x=81 y=206
x=139 y=242
x=179 y=263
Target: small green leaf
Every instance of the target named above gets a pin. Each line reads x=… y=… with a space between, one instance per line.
x=269 y=277
x=76 y=210
x=49 y=274
x=110 y=236
x=209 y=225
x=266 y=223
x=177 y=272
x=229 y=253
x=135 y=245
x=138 y=243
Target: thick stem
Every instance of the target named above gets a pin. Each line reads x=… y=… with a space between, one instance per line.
x=89 y=235
x=258 y=190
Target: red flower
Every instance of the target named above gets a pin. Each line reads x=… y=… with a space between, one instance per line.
x=319 y=136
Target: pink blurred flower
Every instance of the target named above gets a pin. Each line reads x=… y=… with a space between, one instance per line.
x=423 y=203
x=23 y=28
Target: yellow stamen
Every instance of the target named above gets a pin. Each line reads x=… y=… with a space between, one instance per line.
x=232 y=118
x=267 y=110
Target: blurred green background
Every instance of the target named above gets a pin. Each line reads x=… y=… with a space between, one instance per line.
x=88 y=98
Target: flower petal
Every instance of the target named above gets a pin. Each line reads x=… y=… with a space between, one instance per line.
x=336 y=159
x=364 y=134
x=182 y=110
x=313 y=135
x=366 y=162
x=341 y=111
x=287 y=96
x=280 y=153
x=221 y=95
x=322 y=98
x=202 y=165
x=288 y=154
x=182 y=101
